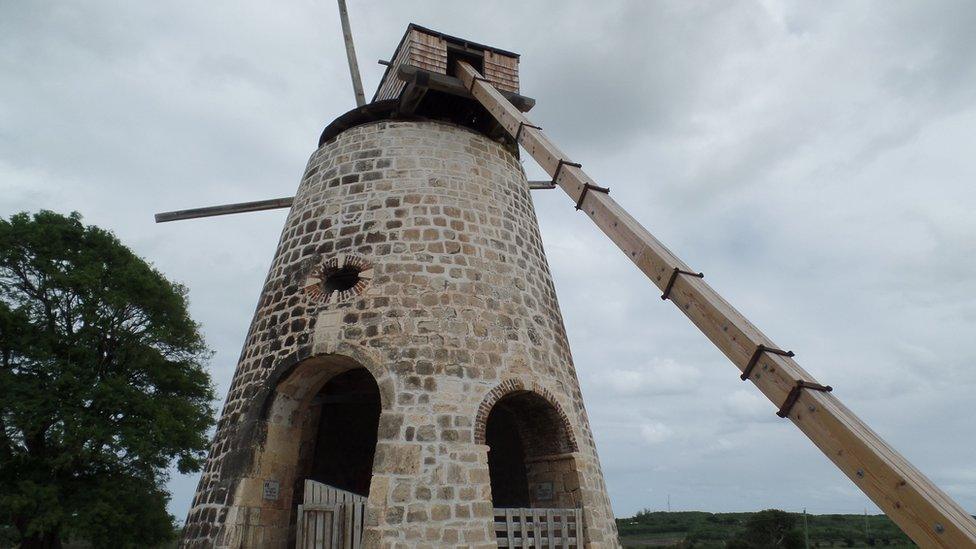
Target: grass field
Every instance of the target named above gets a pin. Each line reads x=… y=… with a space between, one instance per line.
x=694 y=529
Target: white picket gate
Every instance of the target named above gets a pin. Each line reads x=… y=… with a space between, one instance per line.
x=330 y=518
x=539 y=528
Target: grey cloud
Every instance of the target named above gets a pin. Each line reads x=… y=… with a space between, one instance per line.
x=814 y=160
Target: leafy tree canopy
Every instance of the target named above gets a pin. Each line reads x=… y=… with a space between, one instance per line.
x=102 y=387
x=769 y=529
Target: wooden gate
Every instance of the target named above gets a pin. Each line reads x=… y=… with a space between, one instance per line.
x=539 y=528
x=330 y=518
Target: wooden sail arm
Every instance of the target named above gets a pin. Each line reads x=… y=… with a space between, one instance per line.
x=225 y=209
x=261 y=205
x=921 y=509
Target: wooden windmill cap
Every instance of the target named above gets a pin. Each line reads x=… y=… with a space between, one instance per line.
x=419 y=82
x=435 y=51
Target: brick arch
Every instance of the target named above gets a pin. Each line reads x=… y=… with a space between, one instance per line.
x=515 y=386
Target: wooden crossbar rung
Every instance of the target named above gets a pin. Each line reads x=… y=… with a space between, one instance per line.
x=541 y=185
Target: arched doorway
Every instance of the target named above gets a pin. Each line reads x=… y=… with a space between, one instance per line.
x=339 y=433
x=531 y=456
x=321 y=418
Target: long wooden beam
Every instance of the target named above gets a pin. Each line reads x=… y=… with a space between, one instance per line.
x=414 y=92
x=225 y=209
x=453 y=85
x=260 y=205
x=923 y=511
x=357 y=81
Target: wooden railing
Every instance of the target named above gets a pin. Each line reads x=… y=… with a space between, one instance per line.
x=333 y=518
x=539 y=528
x=330 y=518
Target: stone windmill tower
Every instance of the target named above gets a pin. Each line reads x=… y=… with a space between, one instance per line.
x=406 y=379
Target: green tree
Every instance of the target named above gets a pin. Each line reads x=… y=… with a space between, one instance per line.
x=102 y=387
x=770 y=529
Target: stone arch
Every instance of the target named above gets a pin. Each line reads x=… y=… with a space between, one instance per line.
x=516 y=385
x=533 y=458
x=285 y=433
x=295 y=374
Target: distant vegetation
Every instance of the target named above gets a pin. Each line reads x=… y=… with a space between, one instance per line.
x=771 y=528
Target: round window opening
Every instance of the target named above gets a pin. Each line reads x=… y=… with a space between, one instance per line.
x=344 y=279
x=338 y=279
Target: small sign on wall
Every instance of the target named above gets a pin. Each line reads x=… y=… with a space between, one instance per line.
x=543 y=491
x=272 y=489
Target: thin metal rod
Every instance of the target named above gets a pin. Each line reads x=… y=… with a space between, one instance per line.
x=225 y=209
x=357 y=81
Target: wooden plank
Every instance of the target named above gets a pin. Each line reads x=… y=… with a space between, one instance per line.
x=309 y=535
x=347 y=525
x=925 y=513
x=336 y=526
x=578 y=524
x=565 y=531
x=319 y=533
x=360 y=522
x=502 y=70
x=424 y=54
x=299 y=527
x=452 y=85
x=391 y=86
x=225 y=209
x=525 y=528
x=429 y=52
x=550 y=531
x=357 y=81
x=509 y=524
x=413 y=94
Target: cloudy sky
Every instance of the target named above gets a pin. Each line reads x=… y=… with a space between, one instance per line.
x=815 y=160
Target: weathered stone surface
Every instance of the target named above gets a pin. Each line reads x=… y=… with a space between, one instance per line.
x=458 y=311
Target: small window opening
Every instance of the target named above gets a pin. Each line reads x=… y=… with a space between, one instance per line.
x=345 y=278
x=455 y=55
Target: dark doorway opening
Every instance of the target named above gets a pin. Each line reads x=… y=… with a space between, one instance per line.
x=506 y=460
x=531 y=454
x=346 y=431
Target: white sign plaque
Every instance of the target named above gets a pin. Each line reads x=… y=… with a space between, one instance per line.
x=272 y=488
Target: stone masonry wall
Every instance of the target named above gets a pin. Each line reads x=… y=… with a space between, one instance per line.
x=456 y=302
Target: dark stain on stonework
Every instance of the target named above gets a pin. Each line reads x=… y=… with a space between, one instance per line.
x=282 y=369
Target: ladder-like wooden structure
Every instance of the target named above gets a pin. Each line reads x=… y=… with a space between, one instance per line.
x=539 y=528
x=923 y=511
